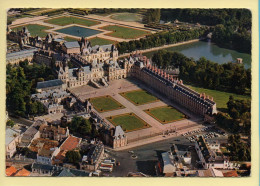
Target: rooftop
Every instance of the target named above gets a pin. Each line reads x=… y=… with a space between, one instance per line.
x=10 y=135
x=50 y=83
x=72 y=44
x=10 y=171
x=23 y=172
x=20 y=54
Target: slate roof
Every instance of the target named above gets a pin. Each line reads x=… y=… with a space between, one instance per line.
x=10 y=135
x=72 y=44
x=119 y=132
x=20 y=54
x=50 y=83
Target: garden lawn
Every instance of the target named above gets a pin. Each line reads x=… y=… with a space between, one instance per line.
x=71 y=20
x=105 y=103
x=165 y=114
x=125 y=32
x=128 y=122
x=221 y=98
x=34 y=29
x=69 y=39
x=127 y=17
x=139 y=97
x=100 y=41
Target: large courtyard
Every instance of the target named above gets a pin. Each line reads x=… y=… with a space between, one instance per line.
x=107 y=101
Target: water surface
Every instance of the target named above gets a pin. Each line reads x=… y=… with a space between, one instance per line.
x=210 y=51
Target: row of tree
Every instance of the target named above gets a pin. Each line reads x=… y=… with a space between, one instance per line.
x=238 y=116
x=228 y=77
x=160 y=39
x=20 y=84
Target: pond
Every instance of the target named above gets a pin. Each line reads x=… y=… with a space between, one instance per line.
x=210 y=51
x=78 y=31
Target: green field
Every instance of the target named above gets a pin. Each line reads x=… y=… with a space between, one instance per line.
x=71 y=20
x=139 y=97
x=128 y=122
x=105 y=103
x=221 y=98
x=125 y=32
x=100 y=41
x=34 y=29
x=69 y=39
x=128 y=17
x=165 y=114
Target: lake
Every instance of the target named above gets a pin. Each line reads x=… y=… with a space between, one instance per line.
x=210 y=51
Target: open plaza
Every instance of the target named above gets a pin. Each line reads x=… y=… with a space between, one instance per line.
x=123 y=97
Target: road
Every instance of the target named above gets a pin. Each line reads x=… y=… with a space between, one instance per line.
x=147 y=156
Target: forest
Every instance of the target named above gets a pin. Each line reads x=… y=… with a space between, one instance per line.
x=229 y=77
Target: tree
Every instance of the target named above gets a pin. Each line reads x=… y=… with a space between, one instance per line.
x=10 y=123
x=80 y=125
x=72 y=157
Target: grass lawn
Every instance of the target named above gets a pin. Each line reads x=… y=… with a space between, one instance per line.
x=69 y=39
x=105 y=103
x=71 y=20
x=125 y=32
x=165 y=114
x=100 y=41
x=139 y=97
x=221 y=98
x=129 y=122
x=34 y=29
x=126 y=16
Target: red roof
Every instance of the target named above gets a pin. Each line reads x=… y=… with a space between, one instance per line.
x=10 y=171
x=71 y=143
x=23 y=172
x=231 y=174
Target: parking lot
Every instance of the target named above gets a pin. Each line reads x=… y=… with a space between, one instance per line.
x=146 y=156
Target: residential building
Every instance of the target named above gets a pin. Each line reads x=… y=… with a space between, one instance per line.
x=12 y=138
x=51 y=170
x=22 y=173
x=31 y=133
x=209 y=158
x=94 y=156
x=69 y=144
x=10 y=171
x=54 y=132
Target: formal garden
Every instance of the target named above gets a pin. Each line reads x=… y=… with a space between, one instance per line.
x=129 y=122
